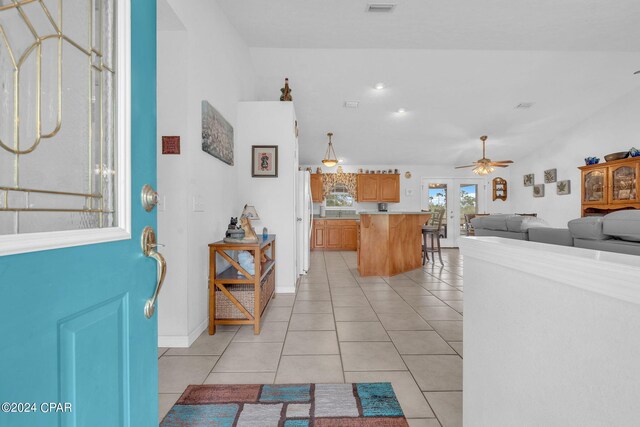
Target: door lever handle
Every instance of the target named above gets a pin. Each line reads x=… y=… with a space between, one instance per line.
x=148 y=249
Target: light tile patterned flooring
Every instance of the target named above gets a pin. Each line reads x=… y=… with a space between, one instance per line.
x=341 y=327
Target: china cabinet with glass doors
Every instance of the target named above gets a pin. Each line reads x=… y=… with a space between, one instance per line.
x=610 y=186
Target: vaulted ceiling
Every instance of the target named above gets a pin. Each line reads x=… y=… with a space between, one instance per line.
x=458 y=67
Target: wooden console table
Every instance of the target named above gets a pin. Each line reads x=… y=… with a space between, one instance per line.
x=248 y=294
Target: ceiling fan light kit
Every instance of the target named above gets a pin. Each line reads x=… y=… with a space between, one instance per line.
x=485 y=166
x=330 y=158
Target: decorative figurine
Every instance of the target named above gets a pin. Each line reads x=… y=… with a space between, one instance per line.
x=319 y=170
x=249 y=235
x=234 y=233
x=286 y=91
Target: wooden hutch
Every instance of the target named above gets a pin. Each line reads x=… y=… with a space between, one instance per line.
x=610 y=186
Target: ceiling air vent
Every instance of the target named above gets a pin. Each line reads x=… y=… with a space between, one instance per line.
x=351 y=104
x=524 y=105
x=381 y=7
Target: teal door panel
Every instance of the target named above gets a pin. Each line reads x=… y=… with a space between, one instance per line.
x=73 y=330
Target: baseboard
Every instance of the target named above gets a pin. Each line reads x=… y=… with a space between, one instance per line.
x=182 y=341
x=287 y=290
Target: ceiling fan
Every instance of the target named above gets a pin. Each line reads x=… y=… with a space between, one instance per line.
x=485 y=166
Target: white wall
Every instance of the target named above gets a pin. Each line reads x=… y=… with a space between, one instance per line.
x=271 y=123
x=614 y=128
x=418 y=172
x=206 y=61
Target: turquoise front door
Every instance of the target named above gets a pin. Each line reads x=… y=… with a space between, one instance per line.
x=76 y=348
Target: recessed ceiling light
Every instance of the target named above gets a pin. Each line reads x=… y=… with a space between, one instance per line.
x=351 y=104
x=401 y=110
x=379 y=86
x=525 y=105
x=381 y=7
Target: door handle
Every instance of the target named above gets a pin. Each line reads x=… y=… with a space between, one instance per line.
x=149 y=245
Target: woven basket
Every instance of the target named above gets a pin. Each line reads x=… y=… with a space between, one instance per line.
x=225 y=309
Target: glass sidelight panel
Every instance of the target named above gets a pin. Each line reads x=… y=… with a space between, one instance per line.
x=468 y=205
x=58 y=95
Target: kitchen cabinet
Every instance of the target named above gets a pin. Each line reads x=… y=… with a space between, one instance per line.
x=350 y=238
x=378 y=188
x=389 y=188
x=368 y=188
x=317 y=193
x=334 y=234
x=611 y=186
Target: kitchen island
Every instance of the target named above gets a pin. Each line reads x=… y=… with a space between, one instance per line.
x=390 y=243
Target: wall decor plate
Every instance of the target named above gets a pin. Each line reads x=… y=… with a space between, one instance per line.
x=538 y=190
x=550 y=176
x=264 y=161
x=528 y=180
x=563 y=187
x=407 y=175
x=217 y=134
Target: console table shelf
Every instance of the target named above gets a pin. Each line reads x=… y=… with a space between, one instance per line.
x=234 y=293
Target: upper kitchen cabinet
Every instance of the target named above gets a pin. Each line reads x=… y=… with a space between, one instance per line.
x=379 y=188
x=389 y=188
x=317 y=194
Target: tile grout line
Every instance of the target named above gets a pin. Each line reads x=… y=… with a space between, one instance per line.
x=401 y=358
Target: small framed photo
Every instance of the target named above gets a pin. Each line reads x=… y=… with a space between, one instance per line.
x=264 y=161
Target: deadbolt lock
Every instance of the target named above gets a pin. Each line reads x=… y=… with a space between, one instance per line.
x=149 y=198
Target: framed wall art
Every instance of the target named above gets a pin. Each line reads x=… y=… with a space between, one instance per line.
x=528 y=180
x=264 y=161
x=563 y=187
x=550 y=176
x=217 y=134
x=538 y=190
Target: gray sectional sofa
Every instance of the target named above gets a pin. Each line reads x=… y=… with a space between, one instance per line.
x=616 y=232
x=509 y=226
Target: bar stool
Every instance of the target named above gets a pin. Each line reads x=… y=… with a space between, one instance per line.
x=433 y=232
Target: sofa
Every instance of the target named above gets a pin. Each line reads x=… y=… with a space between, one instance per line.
x=616 y=232
x=510 y=226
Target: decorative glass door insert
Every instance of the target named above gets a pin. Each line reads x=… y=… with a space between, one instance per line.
x=594 y=186
x=58 y=119
x=623 y=183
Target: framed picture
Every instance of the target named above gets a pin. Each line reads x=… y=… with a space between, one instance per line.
x=563 y=187
x=264 y=161
x=538 y=190
x=217 y=134
x=528 y=180
x=550 y=176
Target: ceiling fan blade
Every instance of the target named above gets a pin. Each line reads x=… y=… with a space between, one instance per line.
x=502 y=161
x=468 y=166
x=498 y=165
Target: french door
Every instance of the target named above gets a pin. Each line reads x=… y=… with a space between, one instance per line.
x=454 y=198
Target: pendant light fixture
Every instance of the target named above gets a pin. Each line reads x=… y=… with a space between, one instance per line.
x=330 y=158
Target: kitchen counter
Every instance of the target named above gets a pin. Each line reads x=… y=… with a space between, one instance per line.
x=395 y=213
x=318 y=217
x=390 y=242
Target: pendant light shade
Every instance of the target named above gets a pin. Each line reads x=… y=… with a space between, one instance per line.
x=330 y=158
